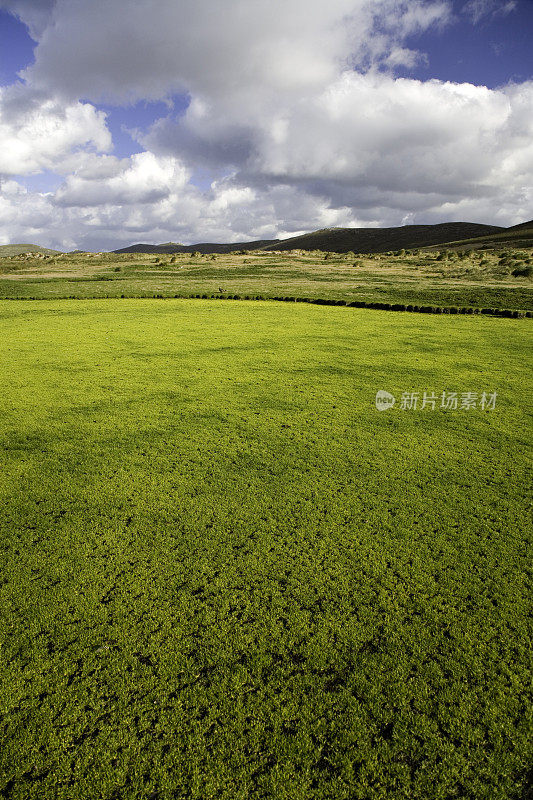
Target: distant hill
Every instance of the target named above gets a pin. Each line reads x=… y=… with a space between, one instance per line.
x=203 y=247
x=522 y=226
x=516 y=236
x=381 y=240
x=340 y=240
x=167 y=247
x=455 y=235
x=7 y=250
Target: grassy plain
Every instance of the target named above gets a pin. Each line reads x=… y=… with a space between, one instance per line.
x=226 y=575
x=479 y=279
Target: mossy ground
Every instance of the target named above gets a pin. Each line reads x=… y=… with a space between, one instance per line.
x=226 y=575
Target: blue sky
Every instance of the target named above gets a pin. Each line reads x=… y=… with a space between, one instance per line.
x=495 y=50
x=168 y=128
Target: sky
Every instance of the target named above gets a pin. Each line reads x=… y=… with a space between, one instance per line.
x=125 y=121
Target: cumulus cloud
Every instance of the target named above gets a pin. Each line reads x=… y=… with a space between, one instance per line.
x=296 y=117
x=369 y=138
x=118 y=50
x=40 y=132
x=136 y=181
x=225 y=212
x=230 y=210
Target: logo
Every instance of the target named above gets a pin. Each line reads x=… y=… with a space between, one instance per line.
x=430 y=401
x=384 y=400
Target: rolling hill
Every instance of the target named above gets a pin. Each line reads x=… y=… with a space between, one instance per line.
x=517 y=236
x=10 y=250
x=168 y=247
x=455 y=235
x=340 y=240
x=381 y=240
x=202 y=247
x=522 y=226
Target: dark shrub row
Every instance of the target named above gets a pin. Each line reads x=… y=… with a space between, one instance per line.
x=319 y=301
x=494 y=312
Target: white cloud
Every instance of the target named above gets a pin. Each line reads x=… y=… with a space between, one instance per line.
x=39 y=132
x=479 y=9
x=404 y=57
x=230 y=211
x=25 y=217
x=368 y=139
x=182 y=213
x=139 y=180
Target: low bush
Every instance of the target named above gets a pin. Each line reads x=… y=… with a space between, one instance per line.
x=522 y=272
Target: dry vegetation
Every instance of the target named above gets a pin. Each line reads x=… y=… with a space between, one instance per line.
x=500 y=279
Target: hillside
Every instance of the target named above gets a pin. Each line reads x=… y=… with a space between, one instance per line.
x=10 y=250
x=455 y=235
x=522 y=226
x=168 y=247
x=339 y=240
x=517 y=236
x=381 y=240
x=202 y=247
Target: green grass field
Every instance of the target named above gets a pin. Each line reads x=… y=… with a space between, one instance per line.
x=226 y=575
